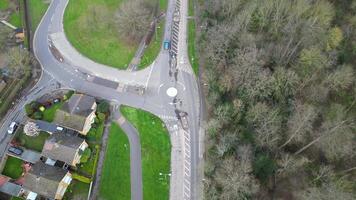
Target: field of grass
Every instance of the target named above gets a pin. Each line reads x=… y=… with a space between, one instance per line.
x=115 y=180
x=191 y=39
x=97 y=37
x=13 y=168
x=37 y=10
x=33 y=143
x=156 y=152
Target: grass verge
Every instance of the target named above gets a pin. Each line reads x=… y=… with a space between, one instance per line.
x=13 y=167
x=156 y=152
x=116 y=171
x=37 y=10
x=191 y=39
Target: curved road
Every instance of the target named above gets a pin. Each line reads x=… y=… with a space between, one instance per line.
x=60 y=67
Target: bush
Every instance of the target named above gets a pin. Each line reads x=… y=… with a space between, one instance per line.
x=85 y=156
x=29 y=110
x=101 y=117
x=263 y=167
x=38 y=115
x=103 y=107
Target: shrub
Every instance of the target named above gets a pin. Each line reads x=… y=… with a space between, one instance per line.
x=29 y=110
x=85 y=156
x=103 y=107
x=38 y=115
x=263 y=167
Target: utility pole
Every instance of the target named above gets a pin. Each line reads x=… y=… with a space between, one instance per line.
x=27 y=24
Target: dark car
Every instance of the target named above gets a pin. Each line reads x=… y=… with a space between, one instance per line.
x=15 y=150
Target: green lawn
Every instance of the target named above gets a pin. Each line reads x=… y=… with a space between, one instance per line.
x=33 y=143
x=191 y=39
x=77 y=190
x=97 y=38
x=37 y=10
x=115 y=180
x=50 y=113
x=156 y=152
x=13 y=168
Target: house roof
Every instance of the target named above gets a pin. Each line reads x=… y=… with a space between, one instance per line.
x=75 y=111
x=62 y=146
x=46 y=126
x=11 y=189
x=44 y=179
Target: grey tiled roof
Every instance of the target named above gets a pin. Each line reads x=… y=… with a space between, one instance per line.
x=44 y=179
x=75 y=111
x=62 y=146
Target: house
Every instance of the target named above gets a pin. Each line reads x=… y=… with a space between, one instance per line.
x=64 y=147
x=48 y=181
x=9 y=188
x=78 y=113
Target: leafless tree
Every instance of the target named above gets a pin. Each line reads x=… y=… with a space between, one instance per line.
x=134 y=18
x=267 y=124
x=234 y=176
x=300 y=123
x=19 y=61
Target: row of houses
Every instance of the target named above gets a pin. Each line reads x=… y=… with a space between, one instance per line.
x=49 y=175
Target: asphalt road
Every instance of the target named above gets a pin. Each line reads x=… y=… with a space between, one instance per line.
x=69 y=73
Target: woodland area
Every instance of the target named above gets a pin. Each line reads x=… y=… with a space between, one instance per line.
x=281 y=98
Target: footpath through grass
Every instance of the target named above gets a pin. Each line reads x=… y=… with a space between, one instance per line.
x=156 y=152
x=97 y=37
x=191 y=39
x=115 y=180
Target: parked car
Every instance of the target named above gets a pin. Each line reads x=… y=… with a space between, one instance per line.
x=12 y=128
x=15 y=150
x=167 y=45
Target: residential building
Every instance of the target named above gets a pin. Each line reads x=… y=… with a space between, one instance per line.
x=64 y=147
x=78 y=113
x=47 y=181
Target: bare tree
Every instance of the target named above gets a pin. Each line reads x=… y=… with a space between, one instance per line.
x=134 y=18
x=234 y=176
x=267 y=123
x=4 y=36
x=289 y=164
x=335 y=125
x=342 y=78
x=19 y=61
x=300 y=123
